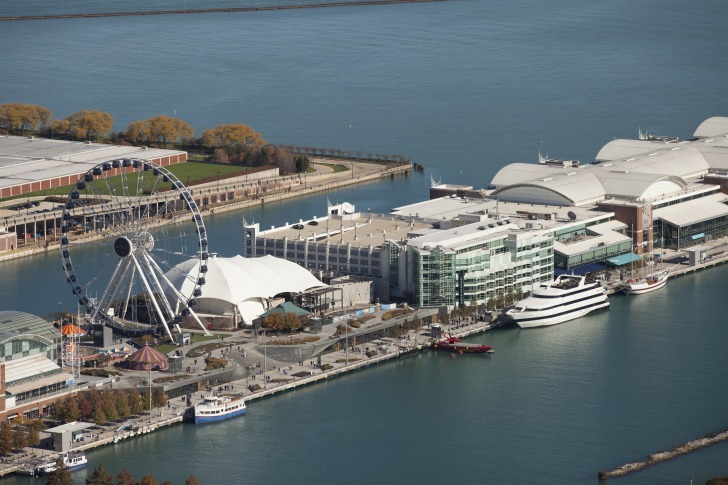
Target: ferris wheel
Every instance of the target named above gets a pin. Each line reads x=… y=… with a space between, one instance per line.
x=126 y=227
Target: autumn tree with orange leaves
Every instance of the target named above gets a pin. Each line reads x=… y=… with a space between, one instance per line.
x=161 y=131
x=20 y=118
x=85 y=125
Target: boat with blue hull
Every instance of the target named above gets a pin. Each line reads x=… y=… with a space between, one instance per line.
x=218 y=408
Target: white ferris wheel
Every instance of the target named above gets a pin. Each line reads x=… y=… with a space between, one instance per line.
x=125 y=226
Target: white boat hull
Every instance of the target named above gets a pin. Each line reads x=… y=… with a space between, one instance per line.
x=547 y=321
x=644 y=287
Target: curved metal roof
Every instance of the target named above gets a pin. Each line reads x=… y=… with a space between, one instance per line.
x=681 y=160
x=516 y=173
x=578 y=185
x=617 y=149
x=717 y=125
x=15 y=324
x=636 y=185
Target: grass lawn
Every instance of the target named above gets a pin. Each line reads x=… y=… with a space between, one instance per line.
x=201 y=337
x=335 y=167
x=189 y=173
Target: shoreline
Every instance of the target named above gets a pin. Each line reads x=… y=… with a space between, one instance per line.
x=213 y=10
x=316 y=184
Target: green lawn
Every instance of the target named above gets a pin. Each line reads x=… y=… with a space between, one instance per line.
x=189 y=173
x=336 y=167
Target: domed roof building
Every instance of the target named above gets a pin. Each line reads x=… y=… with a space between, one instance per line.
x=244 y=287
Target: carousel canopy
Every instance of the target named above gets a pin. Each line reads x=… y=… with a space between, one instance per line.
x=147 y=358
x=69 y=329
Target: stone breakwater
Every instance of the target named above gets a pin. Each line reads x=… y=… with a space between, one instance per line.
x=661 y=456
x=213 y=10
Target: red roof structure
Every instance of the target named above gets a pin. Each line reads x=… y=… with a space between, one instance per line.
x=147 y=358
x=70 y=329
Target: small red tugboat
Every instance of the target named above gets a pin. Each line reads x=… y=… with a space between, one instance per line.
x=454 y=344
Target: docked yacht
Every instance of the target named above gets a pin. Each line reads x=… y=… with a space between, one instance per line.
x=566 y=298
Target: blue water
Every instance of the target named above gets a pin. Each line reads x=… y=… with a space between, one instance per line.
x=462 y=87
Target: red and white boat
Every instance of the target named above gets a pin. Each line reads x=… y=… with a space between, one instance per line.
x=454 y=344
x=647 y=284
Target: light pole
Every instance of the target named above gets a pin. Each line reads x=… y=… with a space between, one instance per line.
x=265 y=362
x=150 y=393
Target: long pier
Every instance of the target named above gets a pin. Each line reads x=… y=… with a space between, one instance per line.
x=213 y=10
x=662 y=456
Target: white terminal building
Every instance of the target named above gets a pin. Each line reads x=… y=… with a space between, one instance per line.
x=535 y=219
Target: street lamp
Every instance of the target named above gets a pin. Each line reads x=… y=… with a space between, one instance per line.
x=265 y=361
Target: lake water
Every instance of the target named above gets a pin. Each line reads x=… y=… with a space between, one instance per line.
x=462 y=87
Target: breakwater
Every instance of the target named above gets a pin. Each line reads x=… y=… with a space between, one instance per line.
x=213 y=10
x=662 y=456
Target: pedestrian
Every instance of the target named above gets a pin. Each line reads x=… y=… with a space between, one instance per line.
x=195 y=361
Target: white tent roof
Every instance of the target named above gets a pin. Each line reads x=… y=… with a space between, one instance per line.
x=244 y=282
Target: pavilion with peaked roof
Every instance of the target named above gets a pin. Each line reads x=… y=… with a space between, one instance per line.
x=147 y=358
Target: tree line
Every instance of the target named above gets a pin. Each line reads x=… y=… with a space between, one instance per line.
x=235 y=144
x=105 y=406
x=100 y=476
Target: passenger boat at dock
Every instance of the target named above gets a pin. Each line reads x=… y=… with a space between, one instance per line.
x=73 y=460
x=217 y=408
x=454 y=344
x=645 y=285
x=566 y=298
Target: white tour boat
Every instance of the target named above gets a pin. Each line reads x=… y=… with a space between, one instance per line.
x=566 y=298
x=73 y=460
x=645 y=285
x=216 y=408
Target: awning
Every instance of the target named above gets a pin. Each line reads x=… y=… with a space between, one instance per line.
x=697 y=236
x=623 y=259
x=61 y=378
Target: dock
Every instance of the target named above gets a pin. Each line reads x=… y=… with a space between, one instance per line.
x=100 y=436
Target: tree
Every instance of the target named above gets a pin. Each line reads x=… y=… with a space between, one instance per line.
x=100 y=477
x=302 y=163
x=85 y=125
x=56 y=411
x=72 y=411
x=110 y=407
x=6 y=438
x=192 y=480
x=148 y=480
x=125 y=477
x=85 y=407
x=99 y=416
x=228 y=136
x=20 y=118
x=19 y=439
x=275 y=321
x=161 y=130
x=159 y=398
x=136 y=406
x=122 y=404
x=61 y=475
x=34 y=432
